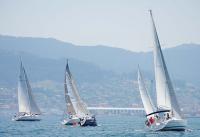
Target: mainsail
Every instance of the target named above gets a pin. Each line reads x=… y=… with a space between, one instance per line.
x=166 y=98
x=25 y=98
x=146 y=99
x=81 y=106
x=68 y=98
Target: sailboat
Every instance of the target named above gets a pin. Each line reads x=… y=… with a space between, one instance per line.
x=76 y=110
x=28 y=109
x=167 y=114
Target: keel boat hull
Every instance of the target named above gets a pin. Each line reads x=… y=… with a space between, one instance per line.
x=169 y=125
x=73 y=121
x=175 y=125
x=26 y=118
x=89 y=121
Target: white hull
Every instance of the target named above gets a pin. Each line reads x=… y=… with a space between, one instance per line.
x=26 y=118
x=175 y=124
x=71 y=121
x=169 y=125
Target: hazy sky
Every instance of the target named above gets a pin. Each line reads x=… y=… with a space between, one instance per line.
x=117 y=23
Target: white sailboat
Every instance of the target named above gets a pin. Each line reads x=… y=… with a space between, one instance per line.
x=167 y=116
x=28 y=109
x=77 y=112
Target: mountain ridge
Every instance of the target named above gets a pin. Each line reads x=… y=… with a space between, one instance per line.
x=180 y=60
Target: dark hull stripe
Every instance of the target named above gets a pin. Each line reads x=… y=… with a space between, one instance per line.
x=71 y=124
x=174 y=128
x=89 y=123
x=28 y=120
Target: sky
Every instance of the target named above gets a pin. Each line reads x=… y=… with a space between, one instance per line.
x=117 y=23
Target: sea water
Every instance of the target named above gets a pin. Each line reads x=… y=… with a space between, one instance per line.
x=108 y=126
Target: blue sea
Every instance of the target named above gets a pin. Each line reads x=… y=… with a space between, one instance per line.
x=108 y=126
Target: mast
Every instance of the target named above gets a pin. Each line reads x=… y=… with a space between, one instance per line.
x=166 y=98
x=146 y=99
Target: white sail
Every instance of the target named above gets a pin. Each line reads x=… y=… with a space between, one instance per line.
x=68 y=97
x=25 y=98
x=166 y=98
x=146 y=99
x=80 y=105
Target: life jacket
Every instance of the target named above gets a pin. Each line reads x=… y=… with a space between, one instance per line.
x=151 y=120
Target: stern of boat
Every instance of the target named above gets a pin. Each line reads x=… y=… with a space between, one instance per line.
x=89 y=121
x=175 y=125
